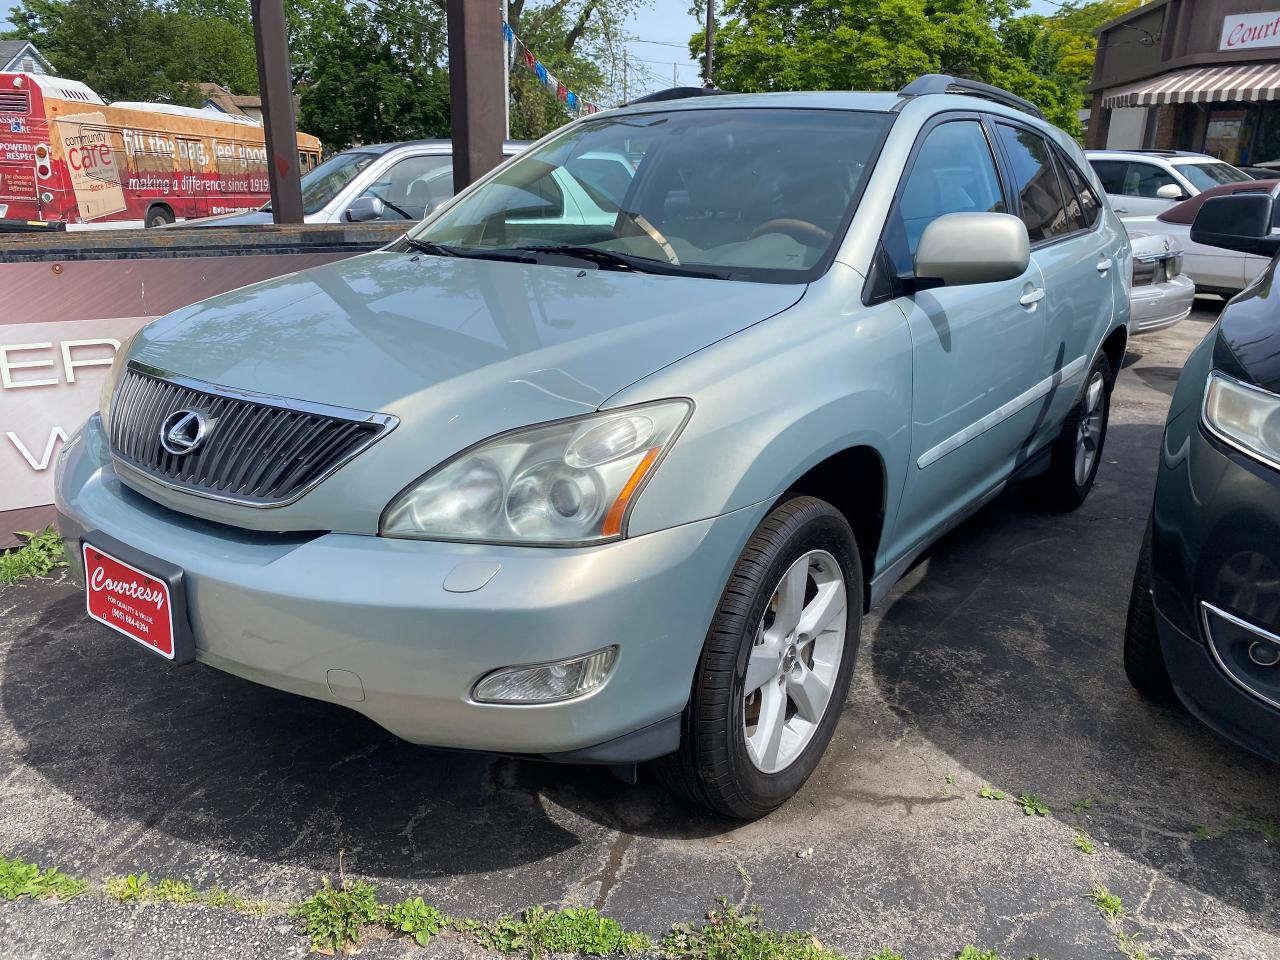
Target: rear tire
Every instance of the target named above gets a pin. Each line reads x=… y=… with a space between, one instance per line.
x=743 y=752
x=1143 y=659
x=158 y=216
x=1077 y=452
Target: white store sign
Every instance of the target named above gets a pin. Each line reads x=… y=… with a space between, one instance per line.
x=1248 y=31
x=50 y=378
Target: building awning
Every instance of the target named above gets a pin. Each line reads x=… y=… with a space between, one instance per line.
x=1201 y=85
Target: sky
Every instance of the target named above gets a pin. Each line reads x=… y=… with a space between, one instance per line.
x=661 y=54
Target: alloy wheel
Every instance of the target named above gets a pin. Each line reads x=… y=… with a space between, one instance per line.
x=1089 y=432
x=794 y=661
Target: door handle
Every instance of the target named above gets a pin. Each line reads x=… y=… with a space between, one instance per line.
x=1104 y=265
x=1120 y=209
x=1031 y=298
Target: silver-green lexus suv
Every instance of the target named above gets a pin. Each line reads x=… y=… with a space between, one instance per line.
x=610 y=474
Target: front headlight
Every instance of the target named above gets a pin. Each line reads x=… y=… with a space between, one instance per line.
x=1246 y=417
x=112 y=380
x=567 y=482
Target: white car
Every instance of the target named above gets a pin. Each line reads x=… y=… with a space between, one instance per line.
x=1213 y=269
x=1145 y=182
x=1161 y=294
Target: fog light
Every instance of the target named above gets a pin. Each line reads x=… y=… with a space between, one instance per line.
x=547 y=682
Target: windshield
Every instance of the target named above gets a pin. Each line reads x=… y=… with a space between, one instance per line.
x=752 y=194
x=323 y=183
x=1206 y=175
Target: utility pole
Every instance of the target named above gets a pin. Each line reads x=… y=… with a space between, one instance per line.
x=709 y=76
x=275 y=78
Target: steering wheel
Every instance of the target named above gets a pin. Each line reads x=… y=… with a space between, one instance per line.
x=656 y=235
x=798 y=229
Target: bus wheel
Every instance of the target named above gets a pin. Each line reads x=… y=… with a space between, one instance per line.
x=158 y=216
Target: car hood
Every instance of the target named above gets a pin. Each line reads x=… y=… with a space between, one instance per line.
x=457 y=349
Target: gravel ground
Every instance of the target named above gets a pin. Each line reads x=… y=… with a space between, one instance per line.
x=996 y=661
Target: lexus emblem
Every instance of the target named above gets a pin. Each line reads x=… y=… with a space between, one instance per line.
x=183 y=431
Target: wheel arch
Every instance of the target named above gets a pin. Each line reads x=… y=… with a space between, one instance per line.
x=854 y=481
x=159 y=205
x=1113 y=348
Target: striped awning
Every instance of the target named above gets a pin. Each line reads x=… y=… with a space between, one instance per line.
x=1201 y=85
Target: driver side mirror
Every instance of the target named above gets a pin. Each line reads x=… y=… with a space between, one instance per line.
x=364 y=209
x=964 y=248
x=1239 y=221
x=1170 y=191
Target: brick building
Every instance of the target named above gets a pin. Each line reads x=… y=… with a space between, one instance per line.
x=1198 y=75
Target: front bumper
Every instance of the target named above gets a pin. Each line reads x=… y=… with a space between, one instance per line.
x=1159 y=305
x=367 y=622
x=1216 y=577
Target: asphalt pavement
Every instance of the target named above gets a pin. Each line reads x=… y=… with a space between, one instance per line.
x=995 y=662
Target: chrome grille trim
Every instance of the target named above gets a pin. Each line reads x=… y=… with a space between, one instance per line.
x=263 y=451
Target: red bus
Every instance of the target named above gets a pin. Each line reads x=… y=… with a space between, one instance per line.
x=67 y=158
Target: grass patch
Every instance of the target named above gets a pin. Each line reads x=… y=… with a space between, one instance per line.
x=1107 y=902
x=40 y=554
x=416 y=918
x=333 y=916
x=729 y=934
x=1083 y=843
x=226 y=900
x=21 y=879
x=1127 y=944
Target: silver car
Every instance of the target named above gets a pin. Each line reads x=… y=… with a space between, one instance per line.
x=396 y=182
x=1142 y=183
x=618 y=484
x=1162 y=294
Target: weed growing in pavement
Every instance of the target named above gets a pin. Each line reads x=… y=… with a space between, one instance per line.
x=988 y=793
x=225 y=899
x=1083 y=843
x=886 y=954
x=1271 y=827
x=174 y=891
x=421 y=920
x=1032 y=805
x=41 y=553
x=730 y=934
x=1125 y=943
x=572 y=930
x=132 y=888
x=1080 y=806
x=21 y=879
x=333 y=916
x=971 y=952
x=1107 y=902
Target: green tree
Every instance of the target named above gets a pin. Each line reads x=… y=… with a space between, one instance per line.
x=884 y=44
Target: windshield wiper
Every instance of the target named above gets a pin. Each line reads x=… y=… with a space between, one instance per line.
x=436 y=249
x=611 y=259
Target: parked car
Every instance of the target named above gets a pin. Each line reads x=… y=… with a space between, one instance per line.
x=385 y=181
x=619 y=492
x=1213 y=269
x=1145 y=182
x=1204 y=615
x=1260 y=172
x=1161 y=294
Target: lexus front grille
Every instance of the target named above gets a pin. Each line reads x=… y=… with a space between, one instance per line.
x=253 y=449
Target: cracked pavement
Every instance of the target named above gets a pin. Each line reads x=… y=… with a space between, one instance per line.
x=996 y=661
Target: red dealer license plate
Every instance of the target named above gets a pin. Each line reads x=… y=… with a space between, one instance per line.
x=129 y=600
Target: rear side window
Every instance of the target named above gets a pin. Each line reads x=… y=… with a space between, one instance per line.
x=1090 y=206
x=1043 y=207
x=1111 y=173
x=954 y=172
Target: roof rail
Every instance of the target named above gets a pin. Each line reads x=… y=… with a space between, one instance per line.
x=677 y=93
x=941 y=83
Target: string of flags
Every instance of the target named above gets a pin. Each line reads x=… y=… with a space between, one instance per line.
x=520 y=55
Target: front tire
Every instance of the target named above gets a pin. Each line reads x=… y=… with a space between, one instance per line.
x=1077 y=452
x=775 y=669
x=1143 y=659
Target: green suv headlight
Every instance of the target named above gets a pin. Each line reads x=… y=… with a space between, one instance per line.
x=568 y=482
x=1247 y=418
